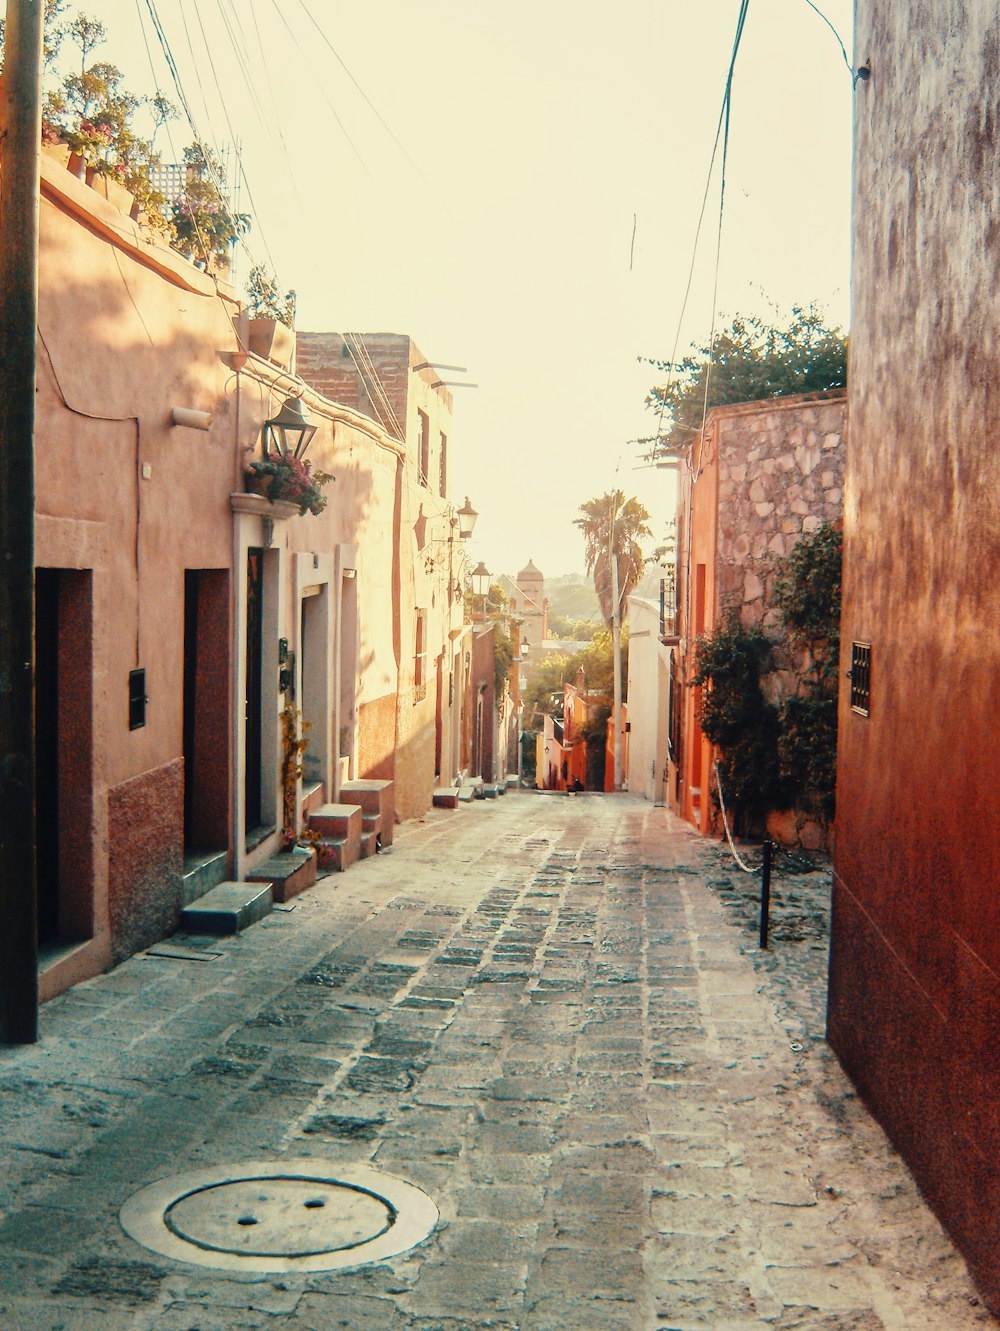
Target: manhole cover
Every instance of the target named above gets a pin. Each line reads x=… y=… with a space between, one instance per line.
x=287 y=1215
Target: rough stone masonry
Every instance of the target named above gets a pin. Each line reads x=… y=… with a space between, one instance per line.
x=548 y=1013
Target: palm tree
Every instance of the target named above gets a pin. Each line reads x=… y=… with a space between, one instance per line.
x=612 y=527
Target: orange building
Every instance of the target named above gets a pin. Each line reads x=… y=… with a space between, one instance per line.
x=914 y=1006
x=181 y=621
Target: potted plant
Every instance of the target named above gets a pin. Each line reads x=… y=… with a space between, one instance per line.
x=270 y=333
x=281 y=476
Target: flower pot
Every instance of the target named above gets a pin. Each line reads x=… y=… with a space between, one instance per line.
x=77 y=166
x=257 y=485
x=109 y=188
x=272 y=340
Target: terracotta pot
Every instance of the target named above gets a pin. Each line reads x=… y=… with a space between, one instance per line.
x=272 y=340
x=257 y=485
x=110 y=189
x=77 y=166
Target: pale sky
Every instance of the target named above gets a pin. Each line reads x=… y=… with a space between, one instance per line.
x=534 y=137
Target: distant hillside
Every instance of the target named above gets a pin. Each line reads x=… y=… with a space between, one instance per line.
x=572 y=595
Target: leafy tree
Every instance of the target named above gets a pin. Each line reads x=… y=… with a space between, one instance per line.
x=736 y=717
x=264 y=298
x=612 y=528
x=773 y=757
x=204 y=225
x=807 y=592
x=751 y=359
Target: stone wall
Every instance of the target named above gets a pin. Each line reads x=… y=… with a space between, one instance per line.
x=781 y=474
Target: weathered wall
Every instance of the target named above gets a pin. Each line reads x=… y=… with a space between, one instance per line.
x=146 y=829
x=915 y=962
x=647 y=701
x=127 y=331
x=781 y=475
x=764 y=475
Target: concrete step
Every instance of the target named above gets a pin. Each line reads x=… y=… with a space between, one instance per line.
x=289 y=873
x=447 y=797
x=203 y=870
x=228 y=908
x=376 y=798
x=466 y=793
x=490 y=790
x=334 y=854
x=369 y=845
x=338 y=822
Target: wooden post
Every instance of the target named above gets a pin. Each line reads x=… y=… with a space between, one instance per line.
x=20 y=135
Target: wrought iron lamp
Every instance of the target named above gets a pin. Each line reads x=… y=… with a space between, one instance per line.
x=466 y=520
x=290 y=432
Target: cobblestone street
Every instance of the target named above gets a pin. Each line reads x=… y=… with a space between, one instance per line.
x=549 y=1014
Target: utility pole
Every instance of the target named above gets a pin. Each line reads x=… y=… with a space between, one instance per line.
x=616 y=645
x=20 y=135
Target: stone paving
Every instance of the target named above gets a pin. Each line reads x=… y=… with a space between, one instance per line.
x=550 y=1014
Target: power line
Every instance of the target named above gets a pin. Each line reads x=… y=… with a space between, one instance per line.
x=722 y=124
x=843 y=51
x=333 y=109
x=368 y=101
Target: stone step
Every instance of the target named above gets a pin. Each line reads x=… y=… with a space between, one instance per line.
x=369 y=845
x=203 y=870
x=228 y=908
x=447 y=797
x=342 y=822
x=466 y=793
x=289 y=873
x=334 y=854
x=375 y=797
x=490 y=790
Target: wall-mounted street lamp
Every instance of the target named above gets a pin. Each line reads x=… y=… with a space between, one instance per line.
x=466 y=519
x=290 y=432
x=479 y=582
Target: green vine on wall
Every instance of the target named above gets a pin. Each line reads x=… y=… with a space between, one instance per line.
x=785 y=755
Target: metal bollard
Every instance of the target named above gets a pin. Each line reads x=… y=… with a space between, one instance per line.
x=765 y=893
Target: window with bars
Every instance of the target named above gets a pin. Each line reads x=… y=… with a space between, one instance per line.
x=860 y=676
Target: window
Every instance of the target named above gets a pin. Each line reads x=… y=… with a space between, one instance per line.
x=420 y=657
x=860 y=676
x=424 y=460
x=443 y=468
x=137 y=699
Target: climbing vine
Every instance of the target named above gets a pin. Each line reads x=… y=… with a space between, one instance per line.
x=738 y=719
x=293 y=736
x=775 y=756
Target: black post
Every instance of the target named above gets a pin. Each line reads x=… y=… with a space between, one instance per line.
x=20 y=134
x=765 y=893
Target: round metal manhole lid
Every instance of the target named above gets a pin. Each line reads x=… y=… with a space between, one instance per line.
x=279 y=1217
x=287 y=1215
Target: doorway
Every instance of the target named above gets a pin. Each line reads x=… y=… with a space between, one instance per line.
x=206 y=693
x=64 y=783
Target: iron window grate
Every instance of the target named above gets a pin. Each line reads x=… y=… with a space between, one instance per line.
x=860 y=676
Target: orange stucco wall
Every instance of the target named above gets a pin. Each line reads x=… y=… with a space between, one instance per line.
x=128 y=503
x=915 y=957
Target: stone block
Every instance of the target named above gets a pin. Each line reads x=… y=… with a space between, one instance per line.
x=228 y=908
x=288 y=873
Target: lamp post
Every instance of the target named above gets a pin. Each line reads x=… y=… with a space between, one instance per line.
x=290 y=432
x=479 y=581
x=467 y=516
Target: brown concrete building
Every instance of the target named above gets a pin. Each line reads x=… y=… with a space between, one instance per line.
x=183 y=621
x=915 y=963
